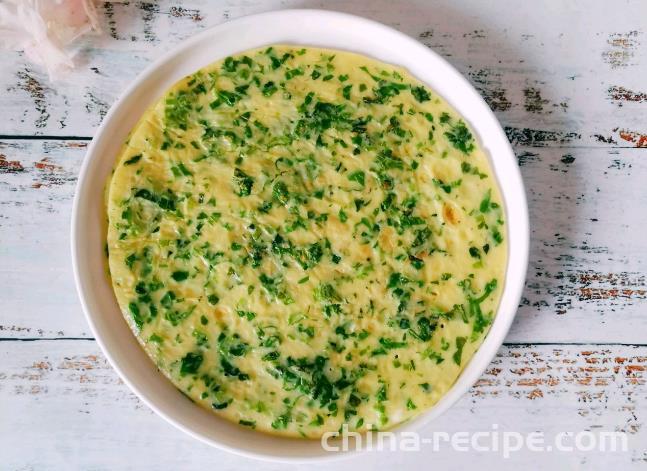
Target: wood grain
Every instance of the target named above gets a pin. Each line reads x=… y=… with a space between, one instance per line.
x=579 y=99
x=567 y=83
x=49 y=388
x=584 y=283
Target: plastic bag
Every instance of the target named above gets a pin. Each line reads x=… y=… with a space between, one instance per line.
x=45 y=29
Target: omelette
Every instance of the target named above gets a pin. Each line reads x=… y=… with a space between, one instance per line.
x=304 y=238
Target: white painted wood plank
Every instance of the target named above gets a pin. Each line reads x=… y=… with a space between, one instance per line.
x=37 y=180
x=63 y=407
x=556 y=75
x=567 y=80
x=586 y=280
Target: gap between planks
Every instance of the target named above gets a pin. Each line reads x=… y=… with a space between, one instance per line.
x=571 y=145
x=38 y=137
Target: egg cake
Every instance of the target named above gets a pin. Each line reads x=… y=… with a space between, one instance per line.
x=303 y=238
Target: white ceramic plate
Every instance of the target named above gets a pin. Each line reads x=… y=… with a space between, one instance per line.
x=309 y=28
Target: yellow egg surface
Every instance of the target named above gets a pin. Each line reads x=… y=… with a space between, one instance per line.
x=304 y=238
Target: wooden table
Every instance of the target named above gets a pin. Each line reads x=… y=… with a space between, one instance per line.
x=568 y=80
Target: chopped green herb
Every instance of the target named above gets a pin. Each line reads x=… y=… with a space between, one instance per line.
x=180 y=275
x=460 y=343
x=243 y=183
x=460 y=137
x=269 y=89
x=136 y=314
x=133 y=160
x=357 y=176
x=190 y=363
x=421 y=94
x=346 y=91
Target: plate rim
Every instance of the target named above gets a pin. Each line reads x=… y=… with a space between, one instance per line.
x=512 y=289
